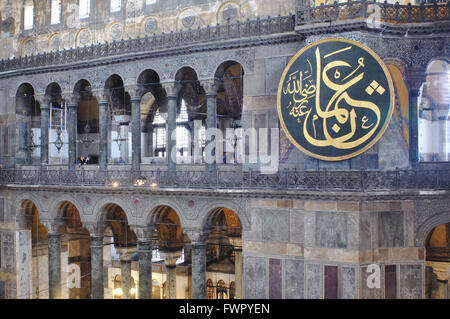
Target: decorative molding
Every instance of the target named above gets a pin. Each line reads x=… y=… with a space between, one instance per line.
x=165 y=44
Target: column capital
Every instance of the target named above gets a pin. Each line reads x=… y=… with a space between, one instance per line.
x=171 y=88
x=23 y=222
x=126 y=253
x=197 y=236
x=415 y=80
x=170 y=257
x=210 y=85
x=143 y=233
x=53 y=227
x=102 y=96
x=95 y=229
x=135 y=93
x=71 y=98
x=43 y=100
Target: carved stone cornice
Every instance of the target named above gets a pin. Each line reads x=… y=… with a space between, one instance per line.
x=244 y=193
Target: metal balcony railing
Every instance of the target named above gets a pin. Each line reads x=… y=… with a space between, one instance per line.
x=249 y=28
x=351 y=180
x=382 y=11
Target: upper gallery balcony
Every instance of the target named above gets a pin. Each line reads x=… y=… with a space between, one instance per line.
x=388 y=18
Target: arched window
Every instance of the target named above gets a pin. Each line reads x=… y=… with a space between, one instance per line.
x=232 y=290
x=222 y=291
x=434 y=114
x=116 y=5
x=55 y=12
x=84 y=9
x=209 y=289
x=28 y=13
x=159 y=135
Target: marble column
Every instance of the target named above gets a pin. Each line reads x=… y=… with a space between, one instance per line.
x=198 y=260
x=54 y=265
x=125 y=270
x=171 y=143
x=72 y=131
x=170 y=258
x=103 y=127
x=415 y=80
x=238 y=271
x=97 y=266
x=45 y=125
x=136 y=133
x=145 y=269
x=23 y=116
x=442 y=122
x=198 y=270
x=210 y=87
x=23 y=245
x=171 y=271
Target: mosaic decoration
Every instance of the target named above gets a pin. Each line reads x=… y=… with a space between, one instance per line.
x=150 y=25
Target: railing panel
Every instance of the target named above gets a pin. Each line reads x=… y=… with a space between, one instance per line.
x=387 y=12
x=352 y=180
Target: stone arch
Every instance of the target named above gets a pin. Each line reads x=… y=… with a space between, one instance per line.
x=115 y=217
x=428 y=225
x=116 y=200
x=17 y=207
x=166 y=221
x=206 y=214
x=153 y=207
x=58 y=205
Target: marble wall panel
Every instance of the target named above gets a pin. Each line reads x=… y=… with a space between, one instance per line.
x=294 y=279
x=331 y=230
x=254 y=277
x=275 y=278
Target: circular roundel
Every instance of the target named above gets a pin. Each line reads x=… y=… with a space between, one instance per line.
x=335 y=99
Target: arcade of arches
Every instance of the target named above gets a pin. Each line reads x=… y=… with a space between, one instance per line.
x=64 y=258
x=135 y=125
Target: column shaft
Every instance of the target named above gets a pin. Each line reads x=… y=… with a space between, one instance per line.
x=414 y=128
x=171 y=128
x=125 y=268
x=238 y=273
x=72 y=131
x=211 y=123
x=136 y=134
x=103 y=127
x=97 y=267
x=171 y=281
x=54 y=265
x=45 y=125
x=145 y=270
x=198 y=271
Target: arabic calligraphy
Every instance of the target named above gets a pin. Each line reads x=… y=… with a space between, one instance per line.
x=335 y=99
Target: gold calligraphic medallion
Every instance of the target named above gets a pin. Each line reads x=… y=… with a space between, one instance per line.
x=335 y=99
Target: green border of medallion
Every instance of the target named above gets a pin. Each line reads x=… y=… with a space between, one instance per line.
x=388 y=117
